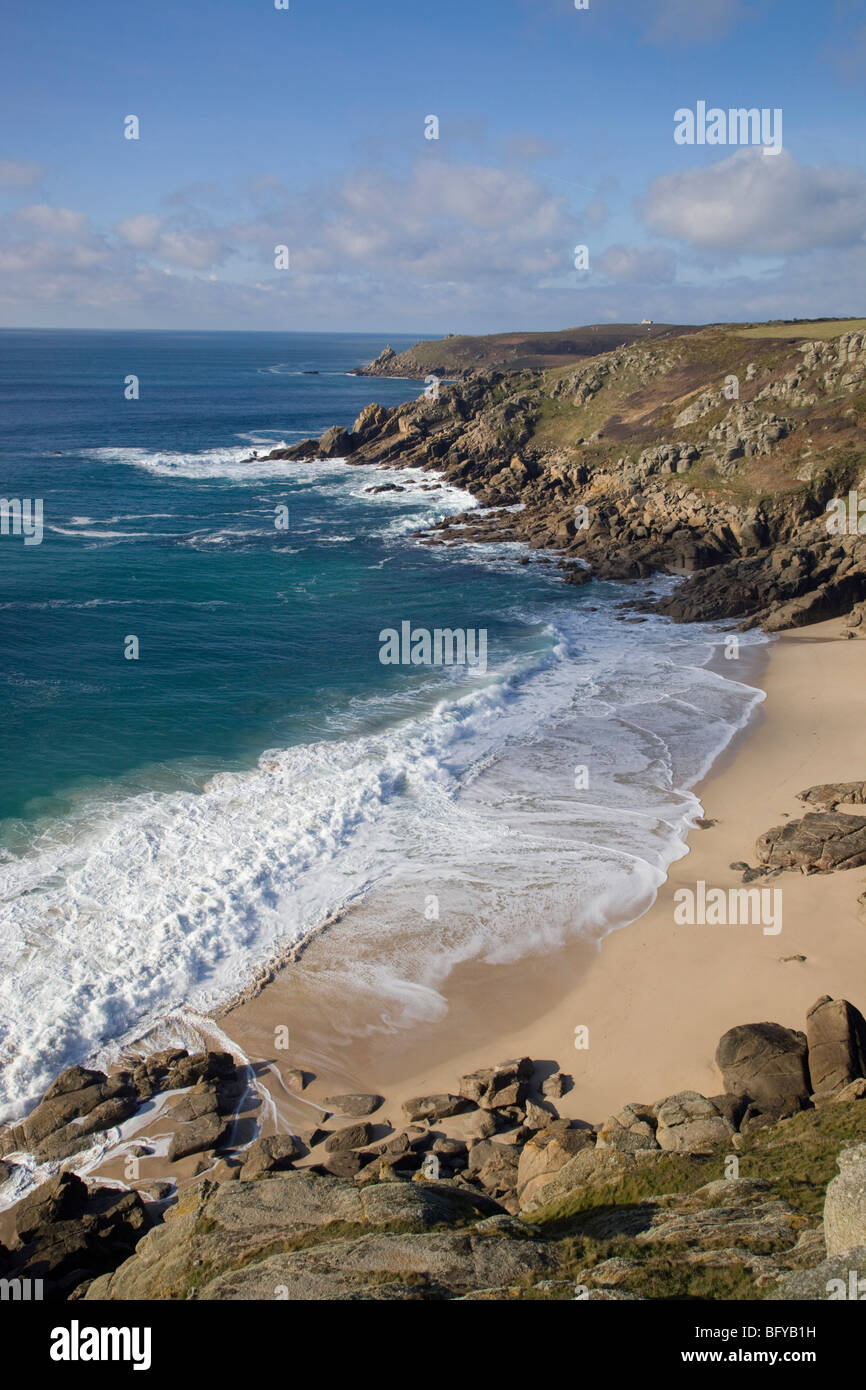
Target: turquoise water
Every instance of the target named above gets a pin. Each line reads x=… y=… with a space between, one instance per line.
x=168 y=822
x=152 y=529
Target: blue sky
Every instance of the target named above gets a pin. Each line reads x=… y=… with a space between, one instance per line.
x=305 y=127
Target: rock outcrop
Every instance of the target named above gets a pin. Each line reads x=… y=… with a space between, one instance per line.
x=489 y=1193
x=845 y=1205
x=689 y=1123
x=235 y=1241
x=67 y=1231
x=836 y=1034
x=730 y=495
x=818 y=843
x=767 y=1063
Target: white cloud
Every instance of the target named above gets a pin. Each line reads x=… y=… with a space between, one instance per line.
x=62 y=222
x=444 y=246
x=15 y=174
x=142 y=231
x=638 y=263
x=188 y=250
x=752 y=204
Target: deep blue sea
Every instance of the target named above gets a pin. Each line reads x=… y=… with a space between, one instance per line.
x=170 y=822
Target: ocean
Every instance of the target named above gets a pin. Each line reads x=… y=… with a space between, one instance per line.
x=177 y=809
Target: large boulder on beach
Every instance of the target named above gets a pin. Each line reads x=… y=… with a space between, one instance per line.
x=829 y=795
x=194 y=1137
x=768 y=1063
x=845 y=1203
x=61 y=1198
x=201 y=1099
x=836 y=1034
x=352 y=1137
x=189 y=1069
x=435 y=1107
x=272 y=1154
x=355 y=1105
x=819 y=843
x=493 y=1088
x=689 y=1123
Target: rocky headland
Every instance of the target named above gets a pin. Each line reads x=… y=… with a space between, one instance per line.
x=710 y=454
x=458 y=355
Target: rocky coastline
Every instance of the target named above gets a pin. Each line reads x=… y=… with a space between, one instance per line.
x=709 y=456
x=482 y=1193
x=630 y=465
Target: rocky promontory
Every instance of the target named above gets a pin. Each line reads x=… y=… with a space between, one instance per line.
x=458 y=355
x=732 y=461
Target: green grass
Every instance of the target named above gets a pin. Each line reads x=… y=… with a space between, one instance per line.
x=797 y=1157
x=824 y=328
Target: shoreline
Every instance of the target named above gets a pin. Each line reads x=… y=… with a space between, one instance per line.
x=642 y=1042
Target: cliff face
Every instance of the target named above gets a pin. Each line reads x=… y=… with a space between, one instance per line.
x=712 y=453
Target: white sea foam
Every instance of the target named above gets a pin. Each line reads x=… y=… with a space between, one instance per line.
x=234 y=464
x=172 y=899
x=210 y=463
x=124 y=516
x=103 y=535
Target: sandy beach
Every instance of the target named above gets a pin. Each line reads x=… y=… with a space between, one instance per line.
x=654 y=996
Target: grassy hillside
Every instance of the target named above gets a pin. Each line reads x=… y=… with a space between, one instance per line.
x=807 y=329
x=457 y=354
